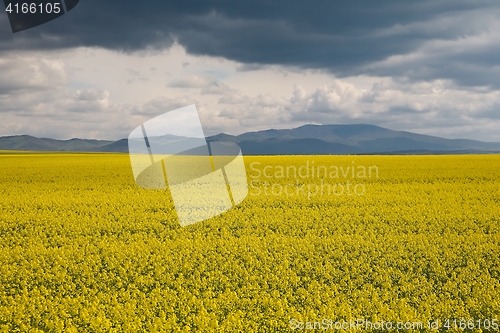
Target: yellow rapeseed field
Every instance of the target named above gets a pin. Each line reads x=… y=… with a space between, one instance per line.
x=319 y=240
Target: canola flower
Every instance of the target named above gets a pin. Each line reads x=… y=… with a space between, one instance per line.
x=83 y=249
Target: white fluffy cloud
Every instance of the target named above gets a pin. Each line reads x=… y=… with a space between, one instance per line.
x=24 y=74
x=424 y=107
x=35 y=99
x=95 y=93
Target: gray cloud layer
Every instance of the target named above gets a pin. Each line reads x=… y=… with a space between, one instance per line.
x=420 y=40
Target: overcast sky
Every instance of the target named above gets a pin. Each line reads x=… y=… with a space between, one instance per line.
x=431 y=67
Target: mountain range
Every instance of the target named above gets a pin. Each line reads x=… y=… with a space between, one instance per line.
x=303 y=140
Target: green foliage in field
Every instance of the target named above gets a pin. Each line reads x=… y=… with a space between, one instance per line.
x=83 y=249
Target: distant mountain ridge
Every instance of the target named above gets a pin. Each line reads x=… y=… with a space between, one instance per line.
x=27 y=142
x=303 y=140
x=350 y=139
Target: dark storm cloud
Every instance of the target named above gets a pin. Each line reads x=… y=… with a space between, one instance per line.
x=344 y=37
